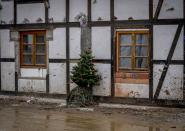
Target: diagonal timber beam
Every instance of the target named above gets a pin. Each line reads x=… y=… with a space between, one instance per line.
x=166 y=66
x=159 y=6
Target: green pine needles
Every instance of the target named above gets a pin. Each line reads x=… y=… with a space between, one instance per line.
x=85 y=76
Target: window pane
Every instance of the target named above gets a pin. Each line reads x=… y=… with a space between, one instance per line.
x=40 y=48
x=27 y=48
x=141 y=51
x=141 y=63
x=28 y=39
x=40 y=39
x=40 y=59
x=125 y=51
x=142 y=39
x=125 y=62
x=126 y=39
x=27 y=59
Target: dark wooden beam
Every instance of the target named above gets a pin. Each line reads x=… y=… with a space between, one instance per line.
x=29 y=1
x=150 y=10
x=47 y=83
x=151 y=50
x=46 y=14
x=112 y=48
x=159 y=6
x=57 y=60
x=116 y=24
x=167 y=21
x=184 y=53
x=166 y=66
x=67 y=50
x=7 y=59
x=151 y=63
x=15 y=12
x=89 y=10
x=172 y=62
x=16 y=82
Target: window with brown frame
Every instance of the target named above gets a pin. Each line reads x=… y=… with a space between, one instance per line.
x=33 y=49
x=132 y=50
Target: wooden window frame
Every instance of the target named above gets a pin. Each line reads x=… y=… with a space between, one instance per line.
x=33 y=54
x=133 y=51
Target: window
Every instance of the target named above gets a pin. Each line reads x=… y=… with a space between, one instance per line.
x=33 y=49
x=132 y=50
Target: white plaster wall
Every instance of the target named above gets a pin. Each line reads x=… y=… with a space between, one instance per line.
x=101 y=9
x=57 y=10
x=8 y=76
x=72 y=84
x=132 y=90
x=28 y=72
x=57 y=47
x=101 y=42
x=74 y=42
x=7 y=47
x=6 y=14
x=32 y=85
x=30 y=11
x=57 y=78
x=104 y=89
x=172 y=88
x=137 y=9
x=163 y=38
x=76 y=7
x=167 y=4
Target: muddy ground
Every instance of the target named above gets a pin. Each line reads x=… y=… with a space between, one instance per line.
x=30 y=116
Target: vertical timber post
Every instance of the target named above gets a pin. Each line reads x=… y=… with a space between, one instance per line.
x=15 y=22
x=112 y=47
x=67 y=49
x=151 y=50
x=184 y=53
x=15 y=12
x=46 y=22
x=0 y=62
x=46 y=13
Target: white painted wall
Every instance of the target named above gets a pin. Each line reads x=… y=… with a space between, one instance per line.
x=167 y=4
x=7 y=47
x=104 y=89
x=32 y=85
x=34 y=72
x=6 y=14
x=132 y=90
x=76 y=7
x=163 y=38
x=57 y=10
x=8 y=76
x=172 y=88
x=101 y=9
x=57 y=78
x=101 y=42
x=74 y=42
x=137 y=9
x=57 y=47
x=30 y=11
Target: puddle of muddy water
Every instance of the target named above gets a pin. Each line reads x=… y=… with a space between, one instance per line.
x=31 y=119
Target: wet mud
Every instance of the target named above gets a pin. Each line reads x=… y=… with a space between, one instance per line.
x=34 y=117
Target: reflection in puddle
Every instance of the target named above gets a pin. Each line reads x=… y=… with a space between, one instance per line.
x=21 y=119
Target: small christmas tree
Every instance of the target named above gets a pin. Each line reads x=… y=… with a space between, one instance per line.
x=85 y=76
